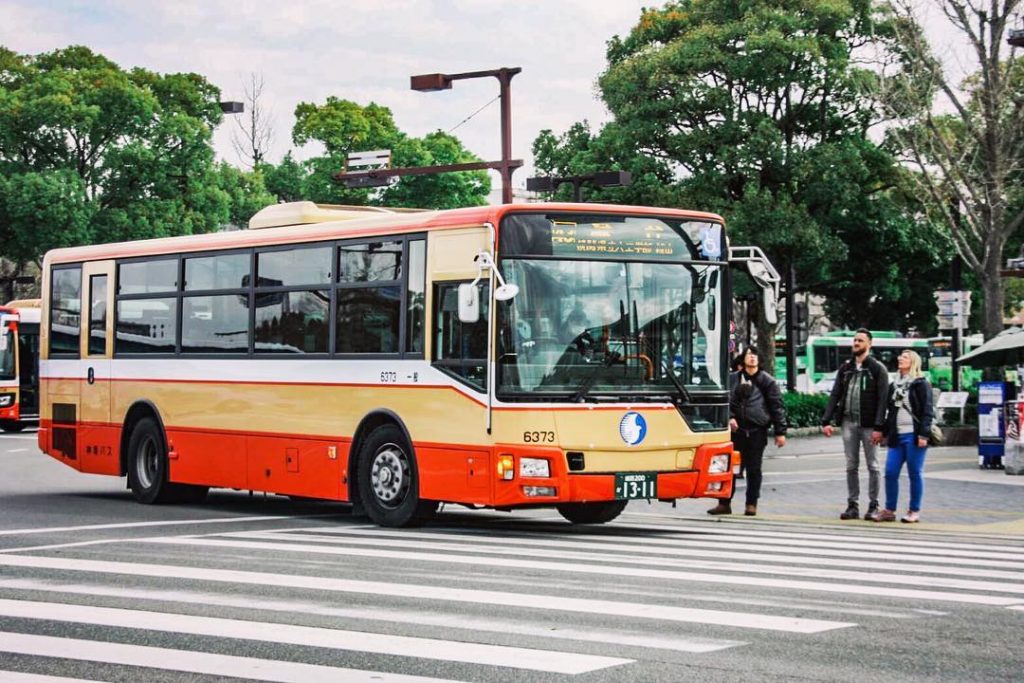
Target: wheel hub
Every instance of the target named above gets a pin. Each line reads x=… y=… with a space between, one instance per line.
x=389 y=475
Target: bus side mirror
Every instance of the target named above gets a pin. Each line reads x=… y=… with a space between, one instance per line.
x=469 y=303
x=761 y=275
x=771 y=306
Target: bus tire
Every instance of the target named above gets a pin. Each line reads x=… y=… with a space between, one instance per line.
x=12 y=426
x=147 y=463
x=592 y=513
x=388 y=479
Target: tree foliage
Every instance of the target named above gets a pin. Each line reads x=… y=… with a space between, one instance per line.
x=965 y=140
x=90 y=152
x=342 y=127
x=756 y=110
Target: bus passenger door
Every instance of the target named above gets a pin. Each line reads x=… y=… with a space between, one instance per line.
x=98 y=437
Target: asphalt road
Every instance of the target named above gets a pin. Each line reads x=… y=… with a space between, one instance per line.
x=96 y=587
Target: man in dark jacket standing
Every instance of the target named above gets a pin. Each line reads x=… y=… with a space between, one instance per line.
x=858 y=405
x=754 y=403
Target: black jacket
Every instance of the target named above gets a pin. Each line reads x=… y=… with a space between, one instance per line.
x=919 y=397
x=872 y=397
x=756 y=404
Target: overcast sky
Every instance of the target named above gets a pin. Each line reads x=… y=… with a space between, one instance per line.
x=360 y=50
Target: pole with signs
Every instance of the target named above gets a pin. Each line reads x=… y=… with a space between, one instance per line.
x=954 y=312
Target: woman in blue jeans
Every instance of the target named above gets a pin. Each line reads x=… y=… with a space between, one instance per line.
x=908 y=423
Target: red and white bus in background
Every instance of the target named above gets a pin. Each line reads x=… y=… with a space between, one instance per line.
x=566 y=355
x=19 y=364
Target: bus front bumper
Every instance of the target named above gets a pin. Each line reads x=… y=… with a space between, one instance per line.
x=711 y=476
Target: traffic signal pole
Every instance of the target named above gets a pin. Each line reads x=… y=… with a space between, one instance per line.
x=957 y=279
x=791 y=328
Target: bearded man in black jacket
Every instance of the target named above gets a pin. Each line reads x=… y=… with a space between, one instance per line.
x=858 y=405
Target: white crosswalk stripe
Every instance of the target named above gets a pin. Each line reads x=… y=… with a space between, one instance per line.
x=537 y=602
x=191 y=662
x=517 y=598
x=617 y=570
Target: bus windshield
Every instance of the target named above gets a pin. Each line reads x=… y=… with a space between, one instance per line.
x=605 y=328
x=6 y=353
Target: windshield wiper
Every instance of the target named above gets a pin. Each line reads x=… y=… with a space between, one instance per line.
x=675 y=380
x=588 y=382
x=634 y=332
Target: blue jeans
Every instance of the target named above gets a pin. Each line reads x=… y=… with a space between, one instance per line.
x=906 y=452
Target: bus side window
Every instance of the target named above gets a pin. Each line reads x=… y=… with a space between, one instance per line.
x=65 y=310
x=460 y=349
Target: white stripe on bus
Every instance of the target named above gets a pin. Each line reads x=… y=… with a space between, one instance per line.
x=438 y=593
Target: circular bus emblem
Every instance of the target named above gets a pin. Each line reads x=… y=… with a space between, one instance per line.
x=632 y=428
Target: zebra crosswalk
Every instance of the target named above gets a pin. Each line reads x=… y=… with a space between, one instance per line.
x=314 y=599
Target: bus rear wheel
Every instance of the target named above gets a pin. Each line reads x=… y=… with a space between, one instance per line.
x=147 y=468
x=12 y=426
x=592 y=513
x=389 y=480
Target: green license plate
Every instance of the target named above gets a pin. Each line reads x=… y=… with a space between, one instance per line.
x=631 y=485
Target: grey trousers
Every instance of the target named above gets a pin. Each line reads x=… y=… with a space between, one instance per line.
x=854 y=437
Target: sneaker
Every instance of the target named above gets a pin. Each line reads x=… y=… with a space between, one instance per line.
x=872 y=514
x=852 y=512
x=751 y=511
x=885 y=516
x=911 y=517
x=721 y=509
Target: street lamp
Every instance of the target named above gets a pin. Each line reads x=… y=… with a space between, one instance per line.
x=602 y=179
x=507 y=165
x=1016 y=37
x=232 y=107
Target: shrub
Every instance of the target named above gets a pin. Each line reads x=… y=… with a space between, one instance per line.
x=804 y=410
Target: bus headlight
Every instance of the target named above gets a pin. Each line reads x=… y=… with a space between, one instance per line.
x=534 y=467
x=719 y=464
x=6 y=400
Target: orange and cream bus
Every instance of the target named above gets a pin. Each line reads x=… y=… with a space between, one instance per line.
x=19 y=364
x=510 y=356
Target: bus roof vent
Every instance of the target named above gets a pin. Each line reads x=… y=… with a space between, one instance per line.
x=304 y=213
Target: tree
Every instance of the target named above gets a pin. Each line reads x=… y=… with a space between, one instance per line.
x=343 y=127
x=246 y=191
x=755 y=110
x=967 y=148
x=254 y=127
x=286 y=180
x=90 y=152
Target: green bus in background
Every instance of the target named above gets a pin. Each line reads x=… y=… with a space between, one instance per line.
x=823 y=353
x=940 y=372
x=781 y=364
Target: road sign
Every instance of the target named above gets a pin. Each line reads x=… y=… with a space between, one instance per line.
x=954 y=309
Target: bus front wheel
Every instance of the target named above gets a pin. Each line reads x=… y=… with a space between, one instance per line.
x=592 y=513
x=388 y=480
x=12 y=426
